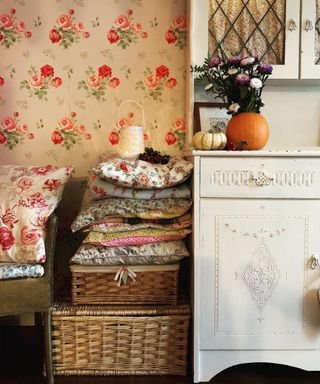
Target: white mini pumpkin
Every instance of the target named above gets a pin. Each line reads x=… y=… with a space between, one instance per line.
x=209 y=140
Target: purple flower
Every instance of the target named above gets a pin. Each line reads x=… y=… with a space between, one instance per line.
x=234 y=60
x=242 y=79
x=214 y=61
x=265 y=69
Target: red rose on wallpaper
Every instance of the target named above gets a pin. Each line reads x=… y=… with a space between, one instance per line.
x=54 y=35
x=105 y=71
x=6 y=238
x=114 y=138
x=171 y=83
x=56 y=82
x=12 y=132
x=47 y=70
x=122 y=22
x=67 y=30
x=12 y=29
x=69 y=132
x=176 y=135
x=177 y=33
x=98 y=82
x=3 y=139
x=64 y=22
x=56 y=137
x=114 y=82
x=152 y=81
x=113 y=36
x=125 y=31
x=162 y=71
x=155 y=82
x=40 y=82
x=171 y=37
x=170 y=138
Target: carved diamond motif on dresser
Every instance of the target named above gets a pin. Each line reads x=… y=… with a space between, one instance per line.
x=261 y=276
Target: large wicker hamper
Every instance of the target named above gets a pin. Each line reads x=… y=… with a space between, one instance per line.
x=154 y=284
x=118 y=340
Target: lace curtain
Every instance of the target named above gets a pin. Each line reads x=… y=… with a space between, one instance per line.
x=248 y=27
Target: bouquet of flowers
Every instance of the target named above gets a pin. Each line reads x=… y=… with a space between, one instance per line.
x=237 y=81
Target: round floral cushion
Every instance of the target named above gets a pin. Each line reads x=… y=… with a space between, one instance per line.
x=135 y=173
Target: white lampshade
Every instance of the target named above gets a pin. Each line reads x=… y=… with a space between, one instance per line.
x=131 y=141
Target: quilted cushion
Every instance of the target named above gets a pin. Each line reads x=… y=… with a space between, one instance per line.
x=100 y=189
x=15 y=271
x=135 y=237
x=159 y=253
x=28 y=195
x=135 y=173
x=100 y=211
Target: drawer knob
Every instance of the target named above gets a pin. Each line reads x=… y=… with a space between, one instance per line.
x=314 y=262
x=262 y=179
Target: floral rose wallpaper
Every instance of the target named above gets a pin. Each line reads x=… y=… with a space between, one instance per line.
x=67 y=65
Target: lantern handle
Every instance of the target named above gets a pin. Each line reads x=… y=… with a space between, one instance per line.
x=138 y=104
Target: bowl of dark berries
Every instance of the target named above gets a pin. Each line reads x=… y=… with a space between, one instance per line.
x=152 y=156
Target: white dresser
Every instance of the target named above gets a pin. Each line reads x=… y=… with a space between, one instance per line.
x=256 y=240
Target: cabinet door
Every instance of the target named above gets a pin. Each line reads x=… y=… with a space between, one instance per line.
x=256 y=287
x=267 y=29
x=310 y=39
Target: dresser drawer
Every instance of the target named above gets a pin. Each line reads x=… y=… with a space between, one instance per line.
x=255 y=177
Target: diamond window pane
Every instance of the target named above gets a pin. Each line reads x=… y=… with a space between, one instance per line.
x=248 y=27
x=317 y=34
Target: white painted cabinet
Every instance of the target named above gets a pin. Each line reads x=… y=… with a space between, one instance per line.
x=284 y=33
x=256 y=232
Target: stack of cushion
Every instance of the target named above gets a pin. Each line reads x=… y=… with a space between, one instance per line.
x=138 y=215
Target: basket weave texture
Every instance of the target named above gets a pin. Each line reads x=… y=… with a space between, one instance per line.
x=118 y=340
x=155 y=285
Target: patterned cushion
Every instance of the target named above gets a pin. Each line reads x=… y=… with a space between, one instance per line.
x=101 y=210
x=141 y=174
x=101 y=189
x=15 y=271
x=28 y=195
x=167 y=252
x=135 y=237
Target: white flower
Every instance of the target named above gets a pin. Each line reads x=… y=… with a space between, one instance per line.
x=208 y=87
x=255 y=83
x=225 y=77
x=234 y=107
x=247 y=60
x=232 y=71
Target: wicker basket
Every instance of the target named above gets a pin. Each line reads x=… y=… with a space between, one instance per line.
x=154 y=284
x=118 y=340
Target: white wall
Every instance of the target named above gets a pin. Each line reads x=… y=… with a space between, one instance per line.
x=293 y=113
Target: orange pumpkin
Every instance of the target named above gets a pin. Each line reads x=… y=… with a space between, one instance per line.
x=248 y=130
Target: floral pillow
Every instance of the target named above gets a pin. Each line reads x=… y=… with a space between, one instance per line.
x=101 y=189
x=135 y=173
x=28 y=195
x=100 y=211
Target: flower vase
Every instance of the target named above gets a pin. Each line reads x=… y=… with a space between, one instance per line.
x=248 y=130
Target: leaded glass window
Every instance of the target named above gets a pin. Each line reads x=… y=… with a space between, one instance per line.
x=248 y=28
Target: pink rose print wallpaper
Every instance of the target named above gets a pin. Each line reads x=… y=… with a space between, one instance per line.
x=65 y=69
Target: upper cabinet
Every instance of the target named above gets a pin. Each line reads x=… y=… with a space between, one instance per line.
x=284 y=33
